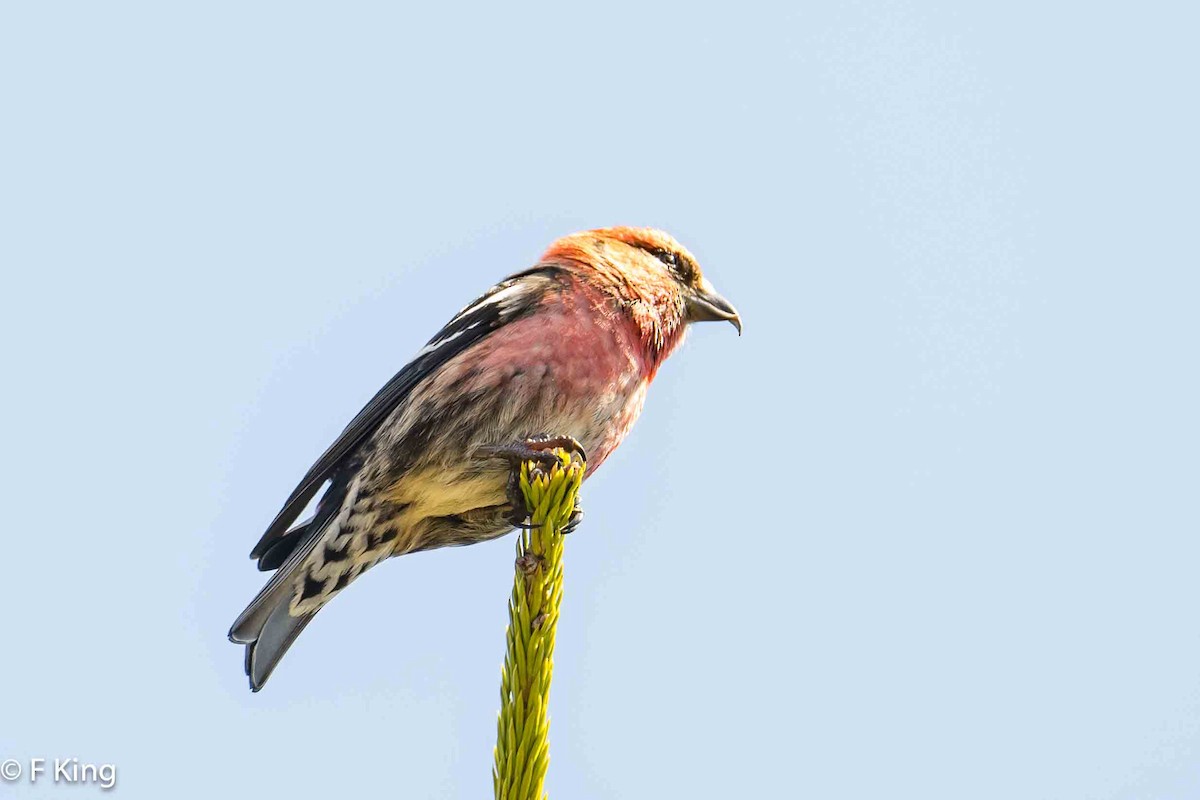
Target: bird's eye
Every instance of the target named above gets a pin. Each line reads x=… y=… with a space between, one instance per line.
x=681 y=268
x=667 y=257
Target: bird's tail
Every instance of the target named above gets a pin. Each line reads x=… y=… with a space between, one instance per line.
x=267 y=627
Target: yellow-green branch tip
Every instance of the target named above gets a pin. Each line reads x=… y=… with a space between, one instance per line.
x=522 y=733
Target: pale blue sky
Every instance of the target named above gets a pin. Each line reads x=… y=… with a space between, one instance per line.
x=928 y=530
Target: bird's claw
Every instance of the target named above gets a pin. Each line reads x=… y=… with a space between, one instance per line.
x=544 y=442
x=576 y=518
x=539 y=448
x=572 y=523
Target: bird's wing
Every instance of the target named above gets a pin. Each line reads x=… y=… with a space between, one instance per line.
x=510 y=299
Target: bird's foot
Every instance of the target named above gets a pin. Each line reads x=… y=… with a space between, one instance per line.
x=576 y=518
x=518 y=508
x=541 y=449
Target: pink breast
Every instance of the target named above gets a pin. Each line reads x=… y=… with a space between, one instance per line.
x=573 y=367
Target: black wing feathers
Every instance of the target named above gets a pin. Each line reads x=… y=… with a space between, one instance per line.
x=508 y=300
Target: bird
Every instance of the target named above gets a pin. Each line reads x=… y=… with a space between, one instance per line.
x=561 y=353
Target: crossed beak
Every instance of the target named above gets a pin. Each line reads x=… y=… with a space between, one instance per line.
x=705 y=305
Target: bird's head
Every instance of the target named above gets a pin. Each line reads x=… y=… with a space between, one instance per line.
x=649 y=276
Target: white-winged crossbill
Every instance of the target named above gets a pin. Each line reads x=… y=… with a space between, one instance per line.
x=563 y=351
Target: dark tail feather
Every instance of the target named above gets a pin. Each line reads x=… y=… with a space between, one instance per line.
x=276 y=636
x=267 y=630
x=279 y=550
x=266 y=627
